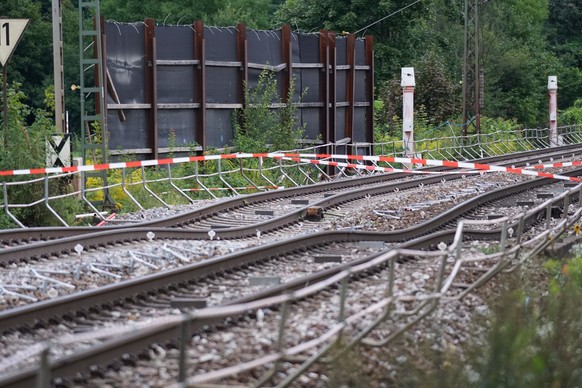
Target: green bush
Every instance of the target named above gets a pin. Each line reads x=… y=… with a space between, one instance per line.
x=22 y=145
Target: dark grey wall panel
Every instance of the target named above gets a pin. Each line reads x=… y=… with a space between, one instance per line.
x=130 y=134
x=126 y=60
x=175 y=84
x=340 y=50
x=264 y=47
x=340 y=89
x=310 y=85
x=180 y=121
x=359 y=124
x=220 y=43
x=219 y=130
x=340 y=122
x=222 y=84
x=309 y=44
x=361 y=89
x=360 y=52
x=175 y=42
x=310 y=117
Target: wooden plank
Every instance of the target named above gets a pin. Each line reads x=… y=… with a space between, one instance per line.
x=307 y=65
x=177 y=62
x=128 y=106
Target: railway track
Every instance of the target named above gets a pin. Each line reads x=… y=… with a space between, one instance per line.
x=188 y=277
x=92 y=239
x=249 y=211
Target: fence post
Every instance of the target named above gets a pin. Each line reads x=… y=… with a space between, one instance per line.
x=553 y=94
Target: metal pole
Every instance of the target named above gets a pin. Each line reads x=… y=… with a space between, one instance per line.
x=553 y=94
x=5 y=95
x=408 y=85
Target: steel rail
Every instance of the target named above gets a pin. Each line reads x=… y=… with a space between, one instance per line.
x=137 y=341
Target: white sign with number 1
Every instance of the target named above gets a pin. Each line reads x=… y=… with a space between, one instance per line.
x=10 y=32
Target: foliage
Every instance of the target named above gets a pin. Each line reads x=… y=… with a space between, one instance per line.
x=255 y=13
x=532 y=338
x=28 y=65
x=24 y=145
x=258 y=127
x=573 y=115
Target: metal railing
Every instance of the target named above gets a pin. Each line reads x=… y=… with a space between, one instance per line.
x=173 y=184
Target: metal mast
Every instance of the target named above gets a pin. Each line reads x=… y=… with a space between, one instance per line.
x=93 y=114
x=472 y=76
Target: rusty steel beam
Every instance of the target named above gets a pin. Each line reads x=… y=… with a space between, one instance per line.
x=288 y=60
x=369 y=46
x=200 y=83
x=151 y=85
x=350 y=85
x=332 y=85
x=324 y=86
x=242 y=56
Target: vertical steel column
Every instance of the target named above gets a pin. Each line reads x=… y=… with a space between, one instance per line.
x=242 y=57
x=350 y=85
x=287 y=59
x=553 y=94
x=369 y=131
x=324 y=86
x=151 y=85
x=332 y=84
x=200 y=83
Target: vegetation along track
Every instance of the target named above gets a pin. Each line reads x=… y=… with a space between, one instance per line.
x=17 y=237
x=53 y=311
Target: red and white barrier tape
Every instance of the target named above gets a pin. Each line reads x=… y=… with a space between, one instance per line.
x=430 y=162
x=555 y=165
x=307 y=158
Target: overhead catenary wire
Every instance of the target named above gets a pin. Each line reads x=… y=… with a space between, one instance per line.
x=387 y=16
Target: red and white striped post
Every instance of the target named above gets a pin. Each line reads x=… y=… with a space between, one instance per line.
x=408 y=84
x=553 y=94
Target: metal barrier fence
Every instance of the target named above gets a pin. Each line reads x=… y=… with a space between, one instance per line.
x=138 y=188
x=354 y=326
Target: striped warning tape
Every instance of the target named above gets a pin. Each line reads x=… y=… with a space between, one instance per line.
x=139 y=163
x=425 y=162
x=307 y=158
x=555 y=165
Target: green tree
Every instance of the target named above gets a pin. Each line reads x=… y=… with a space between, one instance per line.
x=29 y=65
x=255 y=13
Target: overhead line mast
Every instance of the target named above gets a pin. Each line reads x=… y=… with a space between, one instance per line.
x=472 y=71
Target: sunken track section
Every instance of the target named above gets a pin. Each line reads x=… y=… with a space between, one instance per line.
x=104 y=353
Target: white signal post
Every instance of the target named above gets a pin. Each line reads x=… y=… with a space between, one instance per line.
x=553 y=94
x=408 y=83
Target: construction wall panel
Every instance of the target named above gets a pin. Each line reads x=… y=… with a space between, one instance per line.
x=175 y=86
